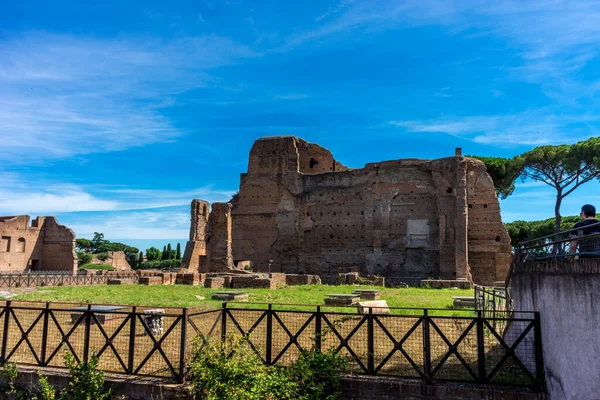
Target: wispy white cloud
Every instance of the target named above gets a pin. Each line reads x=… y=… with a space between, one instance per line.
x=533 y=128
x=335 y=10
x=18 y=196
x=153 y=224
x=64 y=95
x=553 y=40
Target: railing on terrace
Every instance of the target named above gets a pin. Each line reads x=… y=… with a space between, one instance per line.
x=558 y=245
x=491 y=301
x=36 y=280
x=432 y=345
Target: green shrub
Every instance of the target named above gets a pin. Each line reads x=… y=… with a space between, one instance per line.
x=164 y=264
x=83 y=258
x=86 y=383
x=47 y=391
x=318 y=373
x=232 y=370
x=102 y=256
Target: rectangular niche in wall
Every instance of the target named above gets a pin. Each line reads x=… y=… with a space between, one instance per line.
x=5 y=244
x=417 y=234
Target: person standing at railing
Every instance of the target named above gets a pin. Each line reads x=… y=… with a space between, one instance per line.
x=589 y=226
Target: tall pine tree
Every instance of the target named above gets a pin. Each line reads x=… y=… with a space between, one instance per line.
x=178 y=252
x=165 y=255
x=170 y=253
x=140 y=259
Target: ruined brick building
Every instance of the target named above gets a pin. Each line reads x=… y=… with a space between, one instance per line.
x=299 y=210
x=45 y=245
x=209 y=247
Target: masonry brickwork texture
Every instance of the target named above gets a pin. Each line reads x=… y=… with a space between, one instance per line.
x=307 y=213
x=43 y=245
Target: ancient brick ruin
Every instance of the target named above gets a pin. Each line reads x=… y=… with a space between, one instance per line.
x=45 y=245
x=116 y=259
x=209 y=247
x=300 y=211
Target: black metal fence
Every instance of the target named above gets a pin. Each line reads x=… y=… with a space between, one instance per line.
x=558 y=245
x=413 y=343
x=53 y=279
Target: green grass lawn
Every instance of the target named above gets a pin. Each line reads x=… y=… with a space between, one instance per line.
x=98 y=266
x=185 y=296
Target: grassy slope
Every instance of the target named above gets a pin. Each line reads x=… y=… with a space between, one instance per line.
x=185 y=296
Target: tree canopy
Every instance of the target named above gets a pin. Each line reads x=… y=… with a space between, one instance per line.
x=504 y=173
x=562 y=167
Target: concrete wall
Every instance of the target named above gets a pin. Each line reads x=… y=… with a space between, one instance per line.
x=43 y=245
x=566 y=294
x=308 y=213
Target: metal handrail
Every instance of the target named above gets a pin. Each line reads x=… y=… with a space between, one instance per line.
x=557 y=233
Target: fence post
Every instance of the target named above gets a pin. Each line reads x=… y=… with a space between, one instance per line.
x=318 y=329
x=183 y=347
x=5 y=331
x=86 y=338
x=480 y=348
x=370 y=343
x=426 y=346
x=45 y=333
x=268 y=355
x=539 y=353
x=224 y=323
x=132 y=323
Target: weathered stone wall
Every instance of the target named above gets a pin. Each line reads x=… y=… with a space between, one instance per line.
x=406 y=218
x=195 y=249
x=565 y=293
x=117 y=259
x=219 y=246
x=209 y=247
x=44 y=245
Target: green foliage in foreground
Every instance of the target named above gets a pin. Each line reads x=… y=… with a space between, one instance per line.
x=185 y=296
x=86 y=383
x=104 y=267
x=232 y=370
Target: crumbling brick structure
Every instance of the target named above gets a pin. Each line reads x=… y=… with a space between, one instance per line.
x=45 y=245
x=307 y=213
x=209 y=247
x=116 y=259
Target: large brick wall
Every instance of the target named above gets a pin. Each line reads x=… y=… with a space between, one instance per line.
x=300 y=208
x=45 y=245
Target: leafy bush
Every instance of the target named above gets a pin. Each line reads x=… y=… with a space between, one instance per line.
x=86 y=383
x=102 y=256
x=84 y=257
x=164 y=264
x=47 y=391
x=318 y=373
x=232 y=370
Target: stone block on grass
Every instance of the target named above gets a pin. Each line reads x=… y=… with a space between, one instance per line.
x=150 y=280
x=119 y=282
x=378 y=306
x=214 y=283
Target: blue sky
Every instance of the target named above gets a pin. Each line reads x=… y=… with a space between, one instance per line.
x=113 y=116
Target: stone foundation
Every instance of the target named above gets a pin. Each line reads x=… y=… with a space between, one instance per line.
x=214 y=283
x=446 y=284
x=150 y=280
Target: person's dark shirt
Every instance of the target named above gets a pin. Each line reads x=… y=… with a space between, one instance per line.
x=591 y=244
